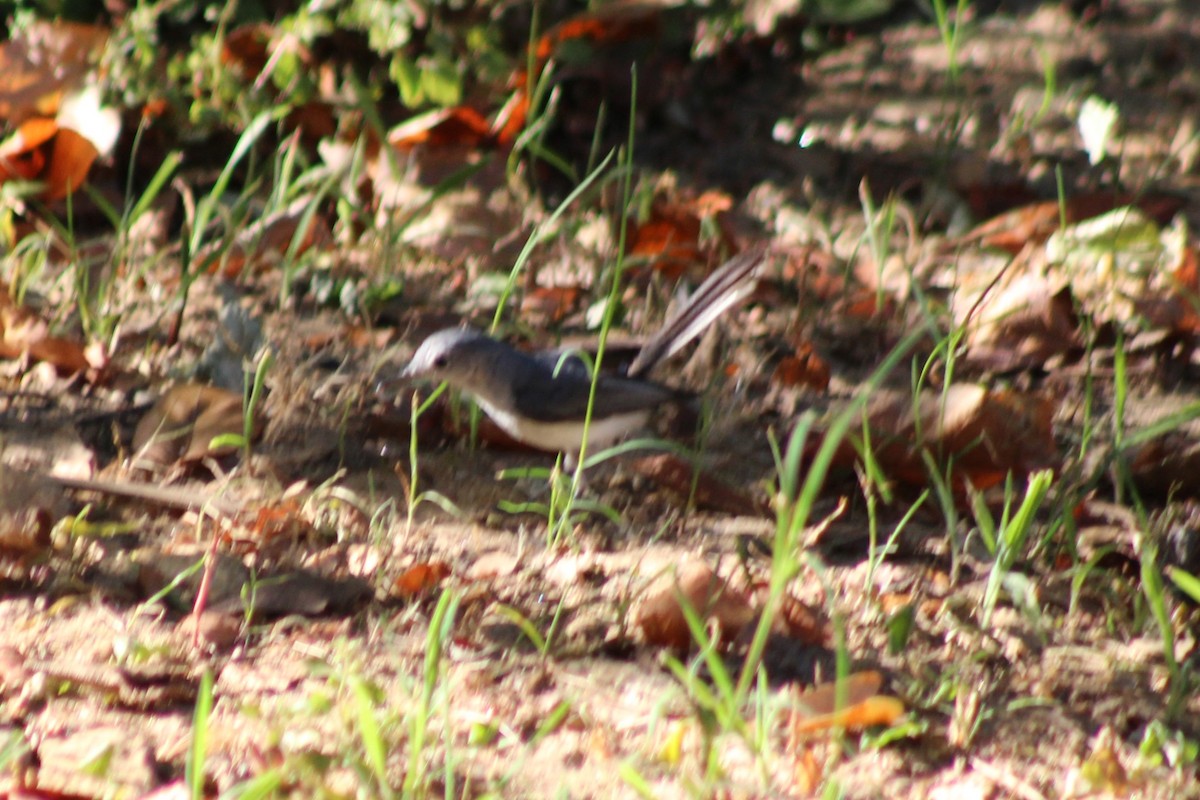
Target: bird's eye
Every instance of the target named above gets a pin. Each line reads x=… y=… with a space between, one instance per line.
x=440 y=362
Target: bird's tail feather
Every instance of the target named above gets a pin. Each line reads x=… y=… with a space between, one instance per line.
x=728 y=285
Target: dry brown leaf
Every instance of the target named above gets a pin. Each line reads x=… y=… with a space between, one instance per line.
x=24 y=334
x=709 y=493
x=987 y=434
x=41 y=63
x=659 y=617
x=265 y=241
x=670 y=238
x=246 y=48
x=183 y=423
x=549 y=304
x=24 y=531
x=1013 y=230
x=1022 y=324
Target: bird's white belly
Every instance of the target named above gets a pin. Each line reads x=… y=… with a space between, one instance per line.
x=566 y=437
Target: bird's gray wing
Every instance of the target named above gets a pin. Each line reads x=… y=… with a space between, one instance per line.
x=547 y=395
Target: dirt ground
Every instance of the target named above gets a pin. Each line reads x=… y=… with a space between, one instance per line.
x=324 y=586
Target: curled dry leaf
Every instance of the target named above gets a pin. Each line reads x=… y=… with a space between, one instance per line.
x=1033 y=224
x=23 y=333
x=987 y=434
x=659 y=616
x=267 y=240
x=1022 y=324
x=184 y=422
x=817 y=711
x=86 y=129
x=60 y=152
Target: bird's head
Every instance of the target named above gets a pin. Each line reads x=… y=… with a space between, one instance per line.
x=460 y=356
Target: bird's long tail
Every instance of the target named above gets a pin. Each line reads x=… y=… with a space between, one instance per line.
x=728 y=285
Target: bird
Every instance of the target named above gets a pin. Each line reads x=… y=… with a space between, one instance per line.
x=541 y=398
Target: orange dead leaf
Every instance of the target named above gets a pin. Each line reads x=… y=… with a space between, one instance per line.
x=868 y=304
x=671 y=237
x=60 y=151
x=817 y=707
x=21 y=155
x=282 y=519
x=461 y=125
x=510 y=119
x=611 y=23
x=804 y=368
x=420 y=578
x=70 y=160
x=872 y=711
x=551 y=303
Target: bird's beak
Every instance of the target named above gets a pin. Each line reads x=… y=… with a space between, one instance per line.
x=395 y=382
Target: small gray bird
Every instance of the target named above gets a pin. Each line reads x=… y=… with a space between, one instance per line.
x=541 y=399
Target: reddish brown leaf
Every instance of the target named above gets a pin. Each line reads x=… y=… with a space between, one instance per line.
x=614 y=22
x=462 y=125
x=551 y=303
x=671 y=237
x=510 y=119
x=22 y=155
x=70 y=160
x=246 y=48
x=420 y=578
x=804 y=368
x=25 y=530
